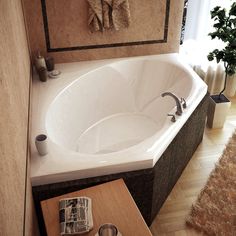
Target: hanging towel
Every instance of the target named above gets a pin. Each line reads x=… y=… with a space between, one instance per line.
x=107 y=13
x=116 y=14
x=95 y=21
x=120 y=14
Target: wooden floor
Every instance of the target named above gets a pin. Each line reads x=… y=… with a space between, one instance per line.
x=171 y=219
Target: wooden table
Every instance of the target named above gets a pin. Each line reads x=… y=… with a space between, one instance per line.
x=111 y=203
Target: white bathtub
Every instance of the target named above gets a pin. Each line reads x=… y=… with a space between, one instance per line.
x=109 y=116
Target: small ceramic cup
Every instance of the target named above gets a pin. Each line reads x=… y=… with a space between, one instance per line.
x=108 y=229
x=41 y=144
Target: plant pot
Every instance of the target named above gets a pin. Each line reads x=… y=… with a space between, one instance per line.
x=231 y=86
x=217 y=111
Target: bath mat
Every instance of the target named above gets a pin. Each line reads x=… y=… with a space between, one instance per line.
x=214 y=212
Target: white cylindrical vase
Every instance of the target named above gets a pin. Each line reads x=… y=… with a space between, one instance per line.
x=217 y=112
x=41 y=143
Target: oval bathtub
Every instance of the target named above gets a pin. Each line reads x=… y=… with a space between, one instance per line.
x=112 y=118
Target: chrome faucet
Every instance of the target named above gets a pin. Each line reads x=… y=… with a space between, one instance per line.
x=177 y=101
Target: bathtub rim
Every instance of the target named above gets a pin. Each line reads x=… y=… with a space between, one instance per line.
x=40 y=175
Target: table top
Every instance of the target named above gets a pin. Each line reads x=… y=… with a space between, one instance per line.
x=111 y=203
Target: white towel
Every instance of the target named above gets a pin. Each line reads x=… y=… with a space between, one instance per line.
x=107 y=13
x=116 y=14
x=95 y=18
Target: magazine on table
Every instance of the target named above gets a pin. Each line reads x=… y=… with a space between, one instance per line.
x=75 y=215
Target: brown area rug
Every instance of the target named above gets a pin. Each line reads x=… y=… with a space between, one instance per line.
x=214 y=212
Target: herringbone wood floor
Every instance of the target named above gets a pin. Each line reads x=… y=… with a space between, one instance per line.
x=171 y=219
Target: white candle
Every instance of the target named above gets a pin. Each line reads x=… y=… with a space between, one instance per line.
x=41 y=144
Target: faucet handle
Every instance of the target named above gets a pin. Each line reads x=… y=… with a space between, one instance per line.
x=173 y=119
x=183 y=102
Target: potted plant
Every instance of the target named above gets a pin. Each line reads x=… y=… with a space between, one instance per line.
x=225 y=30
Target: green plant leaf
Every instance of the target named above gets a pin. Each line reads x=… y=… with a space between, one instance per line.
x=225 y=30
x=210 y=56
x=233 y=9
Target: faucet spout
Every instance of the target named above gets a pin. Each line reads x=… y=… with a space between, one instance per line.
x=177 y=101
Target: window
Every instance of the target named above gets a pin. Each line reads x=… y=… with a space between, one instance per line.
x=197 y=44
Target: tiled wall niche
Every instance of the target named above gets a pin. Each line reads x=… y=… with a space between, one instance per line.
x=59 y=28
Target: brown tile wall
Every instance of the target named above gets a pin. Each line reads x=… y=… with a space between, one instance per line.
x=155 y=28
